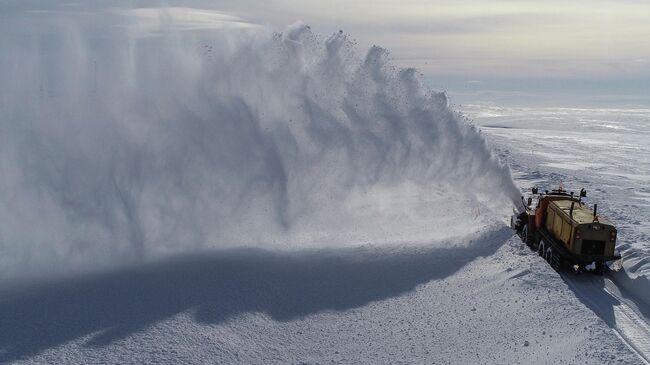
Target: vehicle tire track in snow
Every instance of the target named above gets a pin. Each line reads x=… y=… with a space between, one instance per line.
x=614 y=307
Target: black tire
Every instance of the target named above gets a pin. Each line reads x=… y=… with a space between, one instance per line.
x=524 y=235
x=541 y=248
x=548 y=254
x=556 y=260
x=600 y=268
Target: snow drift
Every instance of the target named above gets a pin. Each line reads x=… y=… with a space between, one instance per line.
x=115 y=147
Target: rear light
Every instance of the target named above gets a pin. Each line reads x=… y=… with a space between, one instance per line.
x=612 y=235
x=577 y=235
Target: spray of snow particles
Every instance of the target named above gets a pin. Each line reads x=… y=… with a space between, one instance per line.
x=116 y=147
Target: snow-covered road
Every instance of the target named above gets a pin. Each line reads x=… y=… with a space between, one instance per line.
x=619 y=309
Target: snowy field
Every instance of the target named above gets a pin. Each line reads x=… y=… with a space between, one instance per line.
x=175 y=193
x=480 y=299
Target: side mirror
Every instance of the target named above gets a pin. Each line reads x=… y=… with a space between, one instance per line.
x=583 y=193
x=535 y=190
x=530 y=201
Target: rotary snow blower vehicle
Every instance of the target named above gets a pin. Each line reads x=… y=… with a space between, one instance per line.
x=565 y=231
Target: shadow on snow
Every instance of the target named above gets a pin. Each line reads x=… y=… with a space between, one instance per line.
x=218 y=286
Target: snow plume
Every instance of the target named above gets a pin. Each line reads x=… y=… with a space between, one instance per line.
x=117 y=145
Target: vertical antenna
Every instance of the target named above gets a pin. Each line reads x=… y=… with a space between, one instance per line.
x=94 y=77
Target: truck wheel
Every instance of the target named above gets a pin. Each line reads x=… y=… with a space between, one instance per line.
x=548 y=255
x=524 y=235
x=541 y=248
x=556 y=260
x=600 y=268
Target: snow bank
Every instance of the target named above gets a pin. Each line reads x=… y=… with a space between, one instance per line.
x=116 y=146
x=633 y=275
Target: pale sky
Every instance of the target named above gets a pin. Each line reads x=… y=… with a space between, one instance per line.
x=573 y=52
x=492 y=38
x=470 y=40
